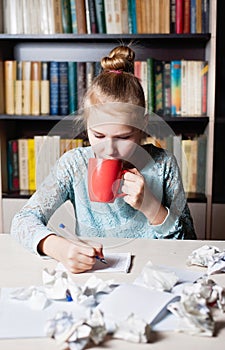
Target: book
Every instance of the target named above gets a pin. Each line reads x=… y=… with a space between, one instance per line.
x=73 y=16
x=166 y=89
x=81 y=82
x=26 y=87
x=187 y=16
x=66 y=16
x=158 y=71
x=204 y=87
x=186 y=164
x=58 y=16
x=198 y=16
x=31 y=165
x=177 y=149
x=179 y=16
x=13 y=165
x=124 y=16
x=109 y=16
x=205 y=16
x=63 y=88
x=18 y=89
x=54 y=87
x=201 y=163
x=175 y=88
x=10 y=77
x=100 y=16
x=132 y=18
x=2 y=90
x=172 y=16
x=23 y=164
x=81 y=17
x=1 y=17
x=72 y=86
x=151 y=84
x=45 y=88
x=193 y=17
x=35 y=87
x=92 y=16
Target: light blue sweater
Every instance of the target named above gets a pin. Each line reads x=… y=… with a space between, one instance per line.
x=68 y=181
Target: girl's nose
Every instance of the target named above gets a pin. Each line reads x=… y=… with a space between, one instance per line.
x=110 y=148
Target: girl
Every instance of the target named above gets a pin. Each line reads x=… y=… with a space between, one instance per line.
x=154 y=203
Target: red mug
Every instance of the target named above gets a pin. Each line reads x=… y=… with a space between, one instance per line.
x=104 y=176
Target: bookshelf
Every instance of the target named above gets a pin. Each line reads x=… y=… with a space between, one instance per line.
x=83 y=47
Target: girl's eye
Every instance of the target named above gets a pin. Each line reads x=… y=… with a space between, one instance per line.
x=98 y=136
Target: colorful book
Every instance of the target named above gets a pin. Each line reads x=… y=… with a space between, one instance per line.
x=81 y=17
x=18 y=89
x=57 y=9
x=45 y=88
x=201 y=164
x=204 y=86
x=26 y=71
x=151 y=85
x=179 y=16
x=81 y=82
x=172 y=16
x=73 y=12
x=66 y=16
x=63 y=88
x=176 y=88
x=100 y=16
x=35 y=87
x=10 y=78
x=132 y=17
x=13 y=165
x=23 y=164
x=2 y=90
x=187 y=16
x=158 y=71
x=54 y=87
x=31 y=166
x=167 y=89
x=92 y=16
x=72 y=86
x=205 y=16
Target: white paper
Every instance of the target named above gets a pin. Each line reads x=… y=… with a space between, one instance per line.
x=147 y=304
x=116 y=262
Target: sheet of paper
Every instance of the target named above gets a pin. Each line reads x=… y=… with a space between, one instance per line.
x=116 y=262
x=18 y=320
x=150 y=305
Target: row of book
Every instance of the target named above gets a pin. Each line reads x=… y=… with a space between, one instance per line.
x=191 y=158
x=30 y=160
x=176 y=88
x=104 y=16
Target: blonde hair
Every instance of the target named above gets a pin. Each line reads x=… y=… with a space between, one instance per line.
x=116 y=82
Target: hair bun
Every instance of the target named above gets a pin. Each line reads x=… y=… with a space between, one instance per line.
x=121 y=58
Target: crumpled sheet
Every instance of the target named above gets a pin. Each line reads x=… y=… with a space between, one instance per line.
x=208 y=256
x=195 y=307
x=156 y=277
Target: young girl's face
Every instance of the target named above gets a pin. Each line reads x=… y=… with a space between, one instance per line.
x=113 y=140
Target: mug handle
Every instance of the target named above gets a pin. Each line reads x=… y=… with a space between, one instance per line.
x=119 y=195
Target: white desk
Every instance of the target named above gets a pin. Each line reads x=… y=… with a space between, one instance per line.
x=19 y=268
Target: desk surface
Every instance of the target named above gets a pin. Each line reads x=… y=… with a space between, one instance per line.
x=19 y=268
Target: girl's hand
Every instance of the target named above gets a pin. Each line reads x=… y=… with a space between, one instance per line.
x=140 y=197
x=77 y=256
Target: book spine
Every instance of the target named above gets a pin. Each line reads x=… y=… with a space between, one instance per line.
x=172 y=16
x=31 y=166
x=179 y=17
x=198 y=16
x=54 y=88
x=2 y=90
x=100 y=16
x=175 y=88
x=92 y=16
x=26 y=71
x=66 y=16
x=18 y=89
x=45 y=88
x=72 y=86
x=193 y=16
x=204 y=86
x=35 y=87
x=23 y=164
x=184 y=84
x=73 y=16
x=13 y=165
x=63 y=88
x=124 y=15
x=158 y=71
x=167 y=89
x=151 y=84
x=81 y=82
x=81 y=17
x=187 y=16
x=57 y=9
x=201 y=163
x=205 y=16
x=10 y=78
